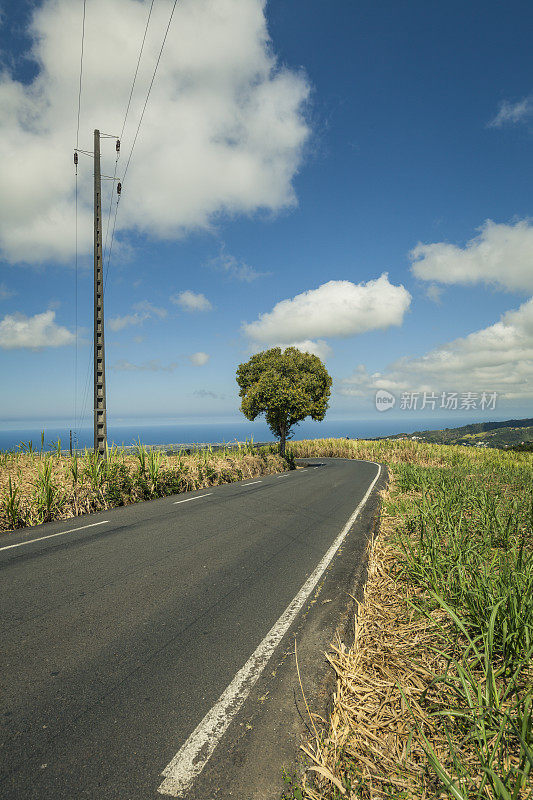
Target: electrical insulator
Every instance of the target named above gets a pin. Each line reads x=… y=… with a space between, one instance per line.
x=119 y=187
x=76 y=159
x=118 y=145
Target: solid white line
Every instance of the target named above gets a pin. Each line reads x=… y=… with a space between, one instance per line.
x=51 y=535
x=252 y=483
x=192 y=757
x=192 y=498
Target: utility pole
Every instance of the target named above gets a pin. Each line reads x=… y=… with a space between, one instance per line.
x=100 y=419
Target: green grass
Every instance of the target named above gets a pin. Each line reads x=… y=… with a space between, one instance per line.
x=40 y=486
x=463 y=535
x=467 y=542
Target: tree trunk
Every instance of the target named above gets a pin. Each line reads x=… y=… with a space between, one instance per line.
x=283 y=439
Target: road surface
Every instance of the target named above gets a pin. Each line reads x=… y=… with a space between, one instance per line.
x=131 y=638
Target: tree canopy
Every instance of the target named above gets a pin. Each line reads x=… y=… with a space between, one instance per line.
x=286 y=386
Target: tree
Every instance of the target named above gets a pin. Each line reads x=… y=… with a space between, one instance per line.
x=286 y=386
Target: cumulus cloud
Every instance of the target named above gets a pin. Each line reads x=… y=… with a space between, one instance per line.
x=234 y=268
x=511 y=113
x=120 y=322
x=153 y=311
x=337 y=308
x=5 y=293
x=500 y=254
x=223 y=131
x=191 y=301
x=41 y=330
x=318 y=348
x=122 y=365
x=142 y=312
x=199 y=359
x=498 y=358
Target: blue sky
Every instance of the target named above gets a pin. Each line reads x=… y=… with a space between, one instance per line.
x=290 y=155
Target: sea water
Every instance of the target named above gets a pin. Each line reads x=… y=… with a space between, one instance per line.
x=212 y=432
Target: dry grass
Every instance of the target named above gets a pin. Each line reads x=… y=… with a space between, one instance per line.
x=368 y=745
x=430 y=701
x=36 y=489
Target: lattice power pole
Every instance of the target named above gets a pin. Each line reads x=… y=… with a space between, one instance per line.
x=100 y=419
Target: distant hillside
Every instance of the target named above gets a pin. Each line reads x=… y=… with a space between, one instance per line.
x=509 y=433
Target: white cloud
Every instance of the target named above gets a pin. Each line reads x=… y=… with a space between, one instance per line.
x=318 y=348
x=122 y=365
x=191 y=301
x=41 y=330
x=511 y=113
x=337 y=308
x=500 y=254
x=153 y=311
x=434 y=293
x=5 y=293
x=142 y=311
x=498 y=358
x=223 y=131
x=119 y=323
x=199 y=359
x=234 y=268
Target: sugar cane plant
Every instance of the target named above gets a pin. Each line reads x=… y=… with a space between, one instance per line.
x=35 y=489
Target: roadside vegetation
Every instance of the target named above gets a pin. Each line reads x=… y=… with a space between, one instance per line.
x=39 y=486
x=434 y=698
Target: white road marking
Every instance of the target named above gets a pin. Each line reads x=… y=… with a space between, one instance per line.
x=192 y=757
x=51 y=535
x=283 y=476
x=252 y=483
x=192 y=498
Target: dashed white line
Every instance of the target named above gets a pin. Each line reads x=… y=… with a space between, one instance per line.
x=51 y=535
x=252 y=483
x=283 y=476
x=192 y=757
x=198 y=496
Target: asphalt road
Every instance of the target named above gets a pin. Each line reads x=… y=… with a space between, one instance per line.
x=118 y=639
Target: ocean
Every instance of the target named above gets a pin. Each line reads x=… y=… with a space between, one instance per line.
x=213 y=433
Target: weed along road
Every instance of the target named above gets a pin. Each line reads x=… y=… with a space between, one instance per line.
x=144 y=649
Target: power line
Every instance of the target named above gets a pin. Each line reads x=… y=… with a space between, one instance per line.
x=150 y=88
x=106 y=252
x=137 y=69
x=111 y=203
x=140 y=121
x=85 y=408
x=111 y=243
x=81 y=75
x=76 y=224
